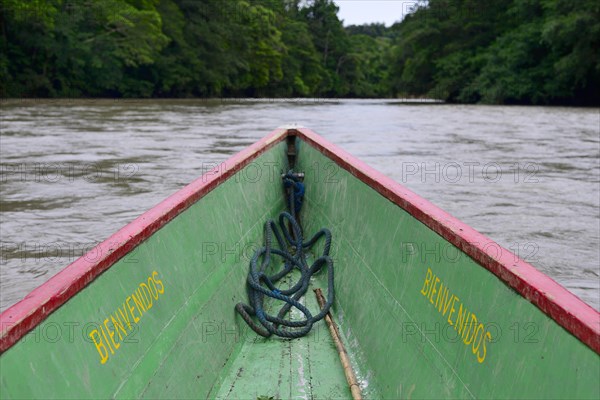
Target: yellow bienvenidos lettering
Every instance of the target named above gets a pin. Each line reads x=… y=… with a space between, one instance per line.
x=111 y=334
x=95 y=336
x=118 y=326
x=158 y=283
x=427 y=282
x=137 y=299
x=488 y=338
x=452 y=309
x=131 y=308
x=106 y=340
x=472 y=332
x=151 y=285
x=145 y=290
x=125 y=316
x=131 y=311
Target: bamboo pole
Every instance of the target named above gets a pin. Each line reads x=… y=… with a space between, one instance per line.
x=335 y=334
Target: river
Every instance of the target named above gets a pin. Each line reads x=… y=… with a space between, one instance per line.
x=75 y=171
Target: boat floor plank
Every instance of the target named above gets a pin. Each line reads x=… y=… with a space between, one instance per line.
x=304 y=368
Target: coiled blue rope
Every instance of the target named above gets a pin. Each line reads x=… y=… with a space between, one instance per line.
x=292 y=249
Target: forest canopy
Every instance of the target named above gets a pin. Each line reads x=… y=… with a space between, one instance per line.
x=467 y=51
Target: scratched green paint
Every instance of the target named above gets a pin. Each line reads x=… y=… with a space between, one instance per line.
x=173 y=353
x=382 y=255
x=305 y=368
x=191 y=344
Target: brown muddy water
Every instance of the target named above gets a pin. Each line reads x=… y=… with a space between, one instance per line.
x=75 y=171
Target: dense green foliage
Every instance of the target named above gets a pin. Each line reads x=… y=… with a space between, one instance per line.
x=500 y=51
x=494 y=51
x=182 y=48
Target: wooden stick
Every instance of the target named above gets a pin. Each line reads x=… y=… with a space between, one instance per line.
x=335 y=334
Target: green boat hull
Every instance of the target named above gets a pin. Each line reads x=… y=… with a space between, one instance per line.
x=423 y=312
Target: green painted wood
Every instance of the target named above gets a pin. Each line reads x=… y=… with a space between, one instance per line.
x=401 y=335
x=304 y=368
x=173 y=351
x=382 y=257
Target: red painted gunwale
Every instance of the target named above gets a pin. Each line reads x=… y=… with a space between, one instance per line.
x=564 y=307
x=551 y=298
x=22 y=317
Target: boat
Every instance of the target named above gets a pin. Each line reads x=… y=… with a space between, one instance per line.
x=424 y=306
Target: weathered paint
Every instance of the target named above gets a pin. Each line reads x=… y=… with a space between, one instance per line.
x=306 y=368
x=554 y=300
x=383 y=255
x=190 y=344
x=36 y=306
x=176 y=349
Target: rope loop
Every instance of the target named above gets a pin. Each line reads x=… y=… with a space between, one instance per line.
x=291 y=249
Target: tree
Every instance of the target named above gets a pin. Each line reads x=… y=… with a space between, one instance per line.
x=331 y=42
x=506 y=51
